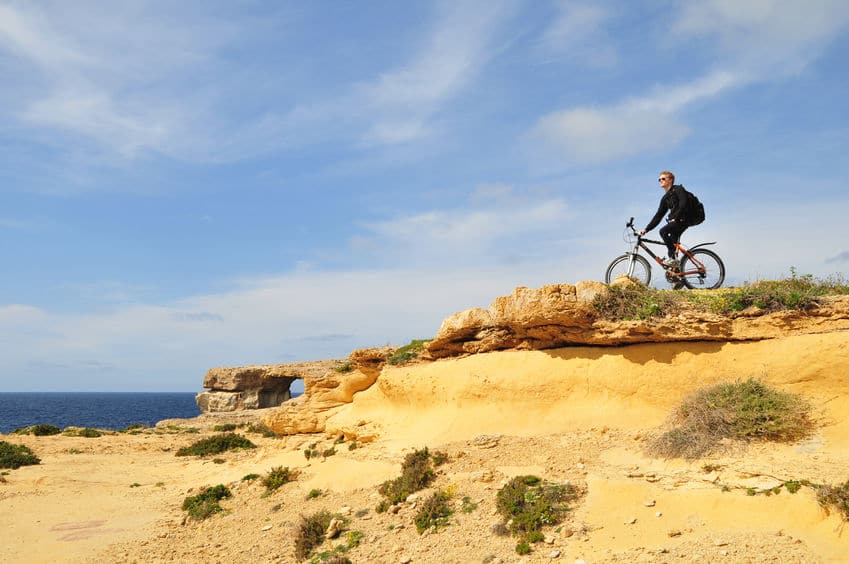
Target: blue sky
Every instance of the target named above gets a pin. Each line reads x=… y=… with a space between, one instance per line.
x=197 y=184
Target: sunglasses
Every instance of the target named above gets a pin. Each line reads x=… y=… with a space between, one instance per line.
x=662 y=178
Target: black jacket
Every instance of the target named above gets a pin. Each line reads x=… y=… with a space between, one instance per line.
x=674 y=201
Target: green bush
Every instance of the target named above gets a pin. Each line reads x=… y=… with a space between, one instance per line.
x=249 y=477
x=225 y=427
x=434 y=512
x=40 y=430
x=14 y=456
x=530 y=503
x=310 y=533
x=417 y=472
x=216 y=445
x=206 y=503
x=408 y=352
x=277 y=477
x=743 y=410
x=90 y=433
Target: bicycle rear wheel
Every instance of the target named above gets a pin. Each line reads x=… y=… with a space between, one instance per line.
x=710 y=277
x=640 y=270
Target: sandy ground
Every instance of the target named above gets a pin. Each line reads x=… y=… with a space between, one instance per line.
x=118 y=498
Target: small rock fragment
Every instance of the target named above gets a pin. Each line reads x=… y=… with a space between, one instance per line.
x=554 y=554
x=649 y=503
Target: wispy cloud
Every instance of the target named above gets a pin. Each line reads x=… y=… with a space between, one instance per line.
x=764 y=36
x=497 y=221
x=457 y=47
x=594 y=135
x=758 y=39
x=577 y=32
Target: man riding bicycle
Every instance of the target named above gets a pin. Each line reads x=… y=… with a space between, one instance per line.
x=675 y=200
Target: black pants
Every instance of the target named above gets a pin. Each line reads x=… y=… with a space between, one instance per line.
x=671 y=233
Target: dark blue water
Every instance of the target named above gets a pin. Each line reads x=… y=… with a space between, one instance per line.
x=115 y=410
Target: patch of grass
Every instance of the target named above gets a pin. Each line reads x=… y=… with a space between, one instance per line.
x=345 y=367
x=408 y=352
x=434 y=512
x=352 y=445
x=328 y=452
x=216 y=445
x=90 y=433
x=417 y=472
x=277 y=477
x=206 y=503
x=310 y=533
x=224 y=428
x=314 y=493
x=40 y=430
x=14 y=456
x=134 y=428
x=636 y=301
x=796 y=292
x=835 y=497
x=311 y=453
x=249 y=477
x=743 y=410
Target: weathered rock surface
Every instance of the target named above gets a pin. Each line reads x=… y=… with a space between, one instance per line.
x=560 y=315
x=256 y=387
x=325 y=392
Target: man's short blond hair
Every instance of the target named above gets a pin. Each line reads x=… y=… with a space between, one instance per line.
x=668 y=173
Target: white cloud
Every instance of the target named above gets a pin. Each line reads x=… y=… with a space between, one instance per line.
x=290 y=317
x=578 y=33
x=759 y=39
x=637 y=125
x=765 y=36
x=498 y=222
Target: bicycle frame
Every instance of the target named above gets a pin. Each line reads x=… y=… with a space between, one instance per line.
x=674 y=272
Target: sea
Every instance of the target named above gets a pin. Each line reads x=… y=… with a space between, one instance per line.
x=100 y=410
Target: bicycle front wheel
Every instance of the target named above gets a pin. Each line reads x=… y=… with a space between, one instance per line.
x=638 y=269
x=707 y=272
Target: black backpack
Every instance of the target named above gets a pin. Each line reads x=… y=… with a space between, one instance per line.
x=695 y=209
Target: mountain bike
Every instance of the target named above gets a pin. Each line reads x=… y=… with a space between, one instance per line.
x=699 y=268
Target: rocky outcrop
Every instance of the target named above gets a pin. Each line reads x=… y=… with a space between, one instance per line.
x=256 y=387
x=324 y=393
x=561 y=315
x=553 y=318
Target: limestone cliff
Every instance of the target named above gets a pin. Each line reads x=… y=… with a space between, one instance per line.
x=520 y=362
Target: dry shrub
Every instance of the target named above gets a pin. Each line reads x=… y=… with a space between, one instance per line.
x=743 y=410
x=310 y=533
x=836 y=497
